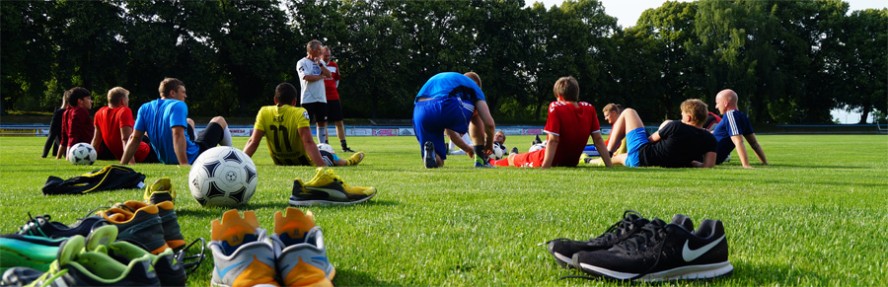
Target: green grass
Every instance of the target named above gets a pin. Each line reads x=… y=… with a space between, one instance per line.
x=815 y=216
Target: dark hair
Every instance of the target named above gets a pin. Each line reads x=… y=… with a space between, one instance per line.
x=285 y=93
x=75 y=94
x=568 y=88
x=168 y=85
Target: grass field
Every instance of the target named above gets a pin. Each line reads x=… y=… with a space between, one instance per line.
x=815 y=216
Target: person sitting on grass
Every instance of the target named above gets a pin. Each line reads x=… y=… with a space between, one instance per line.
x=113 y=125
x=287 y=128
x=734 y=126
x=76 y=123
x=677 y=144
x=569 y=125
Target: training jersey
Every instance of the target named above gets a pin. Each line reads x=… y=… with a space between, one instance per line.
x=679 y=144
x=109 y=121
x=76 y=127
x=281 y=125
x=733 y=123
x=331 y=84
x=157 y=118
x=452 y=84
x=312 y=92
x=573 y=125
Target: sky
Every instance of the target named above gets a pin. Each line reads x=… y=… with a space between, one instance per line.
x=628 y=11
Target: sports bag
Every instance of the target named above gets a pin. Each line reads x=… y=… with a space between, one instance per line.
x=108 y=178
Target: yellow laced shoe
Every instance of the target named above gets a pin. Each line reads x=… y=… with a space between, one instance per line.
x=327 y=188
x=356 y=158
x=301 y=253
x=159 y=191
x=242 y=255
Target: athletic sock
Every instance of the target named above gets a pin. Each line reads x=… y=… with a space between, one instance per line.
x=344 y=145
x=479 y=153
x=226 y=137
x=322 y=134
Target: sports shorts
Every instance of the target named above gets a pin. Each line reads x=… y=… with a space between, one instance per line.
x=210 y=137
x=317 y=112
x=532 y=159
x=329 y=158
x=635 y=140
x=334 y=111
x=432 y=116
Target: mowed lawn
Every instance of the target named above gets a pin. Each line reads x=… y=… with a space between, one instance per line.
x=815 y=216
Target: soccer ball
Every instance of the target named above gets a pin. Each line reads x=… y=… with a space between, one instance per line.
x=498 y=150
x=82 y=153
x=326 y=148
x=537 y=147
x=222 y=176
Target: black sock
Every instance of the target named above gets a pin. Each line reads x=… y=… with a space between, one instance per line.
x=479 y=151
x=344 y=145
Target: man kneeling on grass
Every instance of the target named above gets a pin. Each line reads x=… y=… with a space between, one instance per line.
x=677 y=144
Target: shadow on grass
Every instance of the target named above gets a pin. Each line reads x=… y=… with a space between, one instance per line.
x=357 y=278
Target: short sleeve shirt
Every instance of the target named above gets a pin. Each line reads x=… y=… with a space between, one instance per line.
x=733 y=123
x=331 y=84
x=679 y=145
x=281 y=125
x=573 y=125
x=452 y=84
x=157 y=118
x=312 y=92
x=109 y=121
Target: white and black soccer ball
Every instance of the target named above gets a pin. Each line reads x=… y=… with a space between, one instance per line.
x=498 y=150
x=82 y=154
x=223 y=176
x=326 y=148
x=537 y=147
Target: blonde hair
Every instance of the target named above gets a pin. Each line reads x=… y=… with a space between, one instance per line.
x=696 y=108
x=116 y=95
x=611 y=107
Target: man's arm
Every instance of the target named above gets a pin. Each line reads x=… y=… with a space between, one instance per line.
x=655 y=137
x=253 y=142
x=310 y=147
x=741 y=150
x=551 y=148
x=97 y=138
x=489 y=125
x=458 y=140
x=131 y=146
x=601 y=148
x=753 y=142
x=708 y=161
x=179 y=145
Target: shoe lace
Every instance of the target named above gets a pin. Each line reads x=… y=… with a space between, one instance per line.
x=34 y=226
x=650 y=236
x=192 y=262
x=619 y=228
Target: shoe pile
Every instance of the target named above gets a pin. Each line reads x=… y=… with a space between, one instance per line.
x=327 y=188
x=75 y=255
x=636 y=248
x=245 y=255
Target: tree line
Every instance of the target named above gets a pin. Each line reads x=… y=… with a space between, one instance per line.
x=790 y=61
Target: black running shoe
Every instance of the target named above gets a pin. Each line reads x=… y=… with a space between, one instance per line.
x=661 y=252
x=514 y=151
x=428 y=155
x=43 y=226
x=563 y=249
x=536 y=140
x=347 y=149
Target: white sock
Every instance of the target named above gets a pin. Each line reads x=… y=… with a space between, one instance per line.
x=322 y=134
x=226 y=137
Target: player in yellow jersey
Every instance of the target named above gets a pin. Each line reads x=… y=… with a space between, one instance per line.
x=286 y=127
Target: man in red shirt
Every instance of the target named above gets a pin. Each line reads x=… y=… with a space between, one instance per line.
x=569 y=125
x=113 y=126
x=76 y=124
x=334 y=106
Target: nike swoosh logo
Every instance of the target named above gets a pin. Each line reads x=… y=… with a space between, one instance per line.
x=690 y=255
x=225 y=270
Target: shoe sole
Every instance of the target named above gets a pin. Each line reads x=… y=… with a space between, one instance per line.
x=328 y=202
x=687 y=272
x=429 y=157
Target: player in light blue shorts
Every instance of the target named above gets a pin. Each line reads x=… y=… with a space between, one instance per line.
x=453 y=103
